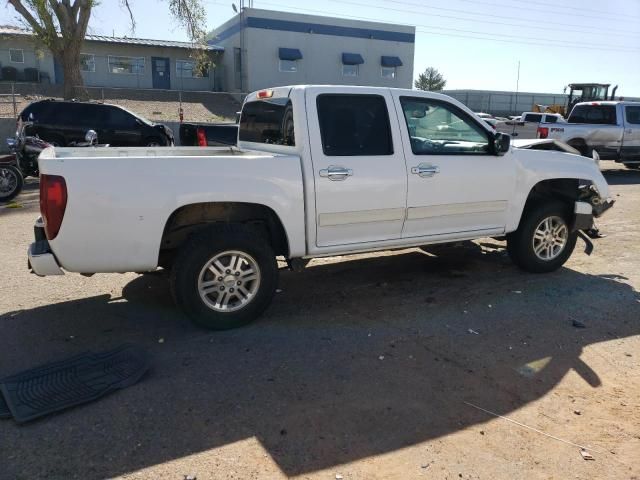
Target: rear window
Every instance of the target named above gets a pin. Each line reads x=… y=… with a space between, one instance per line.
x=551 y=119
x=595 y=114
x=532 y=117
x=39 y=112
x=267 y=121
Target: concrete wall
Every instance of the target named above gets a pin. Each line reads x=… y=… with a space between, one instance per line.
x=322 y=53
x=7 y=129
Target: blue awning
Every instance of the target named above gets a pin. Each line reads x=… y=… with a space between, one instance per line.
x=289 y=54
x=352 y=59
x=390 y=61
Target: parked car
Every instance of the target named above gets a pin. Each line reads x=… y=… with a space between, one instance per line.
x=319 y=171
x=208 y=134
x=610 y=128
x=62 y=122
x=526 y=125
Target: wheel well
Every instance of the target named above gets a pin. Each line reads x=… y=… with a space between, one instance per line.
x=191 y=218
x=563 y=189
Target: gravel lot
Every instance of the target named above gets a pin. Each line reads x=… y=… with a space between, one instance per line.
x=361 y=369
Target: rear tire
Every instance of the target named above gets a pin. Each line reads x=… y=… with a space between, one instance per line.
x=11 y=182
x=544 y=240
x=225 y=276
x=154 y=142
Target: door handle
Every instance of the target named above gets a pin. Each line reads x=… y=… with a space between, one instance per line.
x=336 y=173
x=425 y=170
x=628 y=131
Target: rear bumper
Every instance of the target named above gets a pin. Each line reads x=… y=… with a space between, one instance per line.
x=42 y=261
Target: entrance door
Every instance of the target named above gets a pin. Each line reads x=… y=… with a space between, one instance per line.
x=161 y=72
x=456 y=186
x=359 y=170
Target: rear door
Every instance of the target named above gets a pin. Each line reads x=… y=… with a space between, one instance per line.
x=456 y=186
x=631 y=140
x=358 y=166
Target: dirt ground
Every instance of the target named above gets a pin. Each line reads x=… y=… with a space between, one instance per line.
x=370 y=367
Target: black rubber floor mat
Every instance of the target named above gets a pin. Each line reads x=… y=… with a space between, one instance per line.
x=79 y=379
x=4 y=408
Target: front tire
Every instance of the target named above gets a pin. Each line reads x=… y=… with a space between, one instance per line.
x=11 y=182
x=225 y=277
x=544 y=240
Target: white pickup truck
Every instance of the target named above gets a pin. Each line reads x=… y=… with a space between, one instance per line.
x=318 y=171
x=610 y=128
x=526 y=126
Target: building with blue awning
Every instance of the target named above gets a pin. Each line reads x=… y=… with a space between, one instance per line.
x=265 y=48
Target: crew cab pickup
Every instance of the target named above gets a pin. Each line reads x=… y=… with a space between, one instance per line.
x=527 y=124
x=611 y=128
x=318 y=171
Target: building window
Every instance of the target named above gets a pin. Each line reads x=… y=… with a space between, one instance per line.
x=189 y=69
x=126 y=65
x=16 y=55
x=87 y=62
x=388 y=72
x=350 y=70
x=288 y=65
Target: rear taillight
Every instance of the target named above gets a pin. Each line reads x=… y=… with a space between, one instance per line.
x=202 y=137
x=543 y=132
x=53 y=202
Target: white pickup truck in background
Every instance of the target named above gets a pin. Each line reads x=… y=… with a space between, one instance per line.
x=526 y=126
x=610 y=128
x=318 y=171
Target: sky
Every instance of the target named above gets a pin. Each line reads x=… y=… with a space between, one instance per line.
x=475 y=44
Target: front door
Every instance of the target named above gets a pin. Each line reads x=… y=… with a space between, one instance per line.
x=456 y=186
x=161 y=72
x=358 y=166
x=631 y=139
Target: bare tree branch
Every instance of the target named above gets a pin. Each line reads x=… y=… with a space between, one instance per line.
x=125 y=3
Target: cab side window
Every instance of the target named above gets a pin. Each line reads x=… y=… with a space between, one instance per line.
x=354 y=125
x=632 y=115
x=438 y=128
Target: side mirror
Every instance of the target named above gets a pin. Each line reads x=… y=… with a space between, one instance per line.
x=91 y=137
x=501 y=143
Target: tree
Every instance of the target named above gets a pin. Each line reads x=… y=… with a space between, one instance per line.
x=431 y=80
x=61 y=26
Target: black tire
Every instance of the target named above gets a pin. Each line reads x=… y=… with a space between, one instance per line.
x=11 y=182
x=520 y=244
x=154 y=142
x=583 y=148
x=195 y=255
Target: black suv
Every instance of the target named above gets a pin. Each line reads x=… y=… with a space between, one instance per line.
x=62 y=122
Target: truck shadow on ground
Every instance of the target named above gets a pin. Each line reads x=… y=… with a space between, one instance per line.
x=354 y=359
x=622 y=176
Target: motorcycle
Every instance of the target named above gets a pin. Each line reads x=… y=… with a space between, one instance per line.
x=23 y=161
